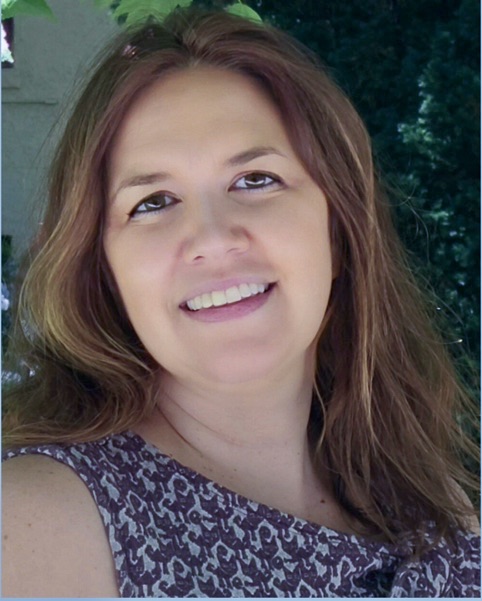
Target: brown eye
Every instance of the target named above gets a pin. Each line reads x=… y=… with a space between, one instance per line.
x=256 y=181
x=153 y=204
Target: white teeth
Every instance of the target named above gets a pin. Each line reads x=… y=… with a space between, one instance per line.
x=206 y=301
x=233 y=295
x=244 y=290
x=218 y=298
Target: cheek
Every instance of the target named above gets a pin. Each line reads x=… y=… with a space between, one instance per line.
x=139 y=265
x=308 y=250
x=304 y=236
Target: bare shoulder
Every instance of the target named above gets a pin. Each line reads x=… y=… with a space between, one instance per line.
x=53 y=536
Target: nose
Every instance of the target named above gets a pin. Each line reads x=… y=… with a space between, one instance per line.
x=214 y=233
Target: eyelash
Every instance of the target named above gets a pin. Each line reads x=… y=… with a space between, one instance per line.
x=136 y=213
x=275 y=181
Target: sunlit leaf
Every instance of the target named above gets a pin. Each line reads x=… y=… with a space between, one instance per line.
x=242 y=10
x=33 y=8
x=6 y=4
x=138 y=11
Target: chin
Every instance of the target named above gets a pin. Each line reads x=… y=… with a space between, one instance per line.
x=242 y=370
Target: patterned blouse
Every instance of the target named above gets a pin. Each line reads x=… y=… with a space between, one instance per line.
x=175 y=533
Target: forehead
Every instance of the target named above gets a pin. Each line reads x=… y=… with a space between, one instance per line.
x=198 y=110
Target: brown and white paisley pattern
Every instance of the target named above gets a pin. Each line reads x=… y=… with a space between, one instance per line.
x=174 y=533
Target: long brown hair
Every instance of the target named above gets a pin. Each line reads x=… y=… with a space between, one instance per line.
x=386 y=401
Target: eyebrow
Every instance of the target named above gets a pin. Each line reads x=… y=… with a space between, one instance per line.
x=241 y=158
x=249 y=155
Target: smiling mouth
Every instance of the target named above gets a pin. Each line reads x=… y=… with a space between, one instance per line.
x=221 y=298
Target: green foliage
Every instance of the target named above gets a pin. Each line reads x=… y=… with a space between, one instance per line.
x=136 y=11
x=34 y=8
x=243 y=10
x=126 y=11
x=129 y=12
x=444 y=139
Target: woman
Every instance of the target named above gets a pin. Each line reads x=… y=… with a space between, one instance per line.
x=232 y=389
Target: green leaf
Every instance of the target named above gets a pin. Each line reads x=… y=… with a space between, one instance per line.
x=242 y=10
x=6 y=4
x=33 y=8
x=138 y=11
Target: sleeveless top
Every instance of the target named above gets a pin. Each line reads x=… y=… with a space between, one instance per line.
x=175 y=533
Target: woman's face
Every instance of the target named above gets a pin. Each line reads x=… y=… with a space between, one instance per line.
x=216 y=235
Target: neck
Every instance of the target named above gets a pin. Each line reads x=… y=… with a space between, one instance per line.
x=272 y=414
x=250 y=439
x=257 y=427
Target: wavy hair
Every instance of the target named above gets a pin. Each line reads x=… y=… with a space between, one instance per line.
x=386 y=400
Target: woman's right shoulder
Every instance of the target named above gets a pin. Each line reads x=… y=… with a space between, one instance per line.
x=53 y=540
